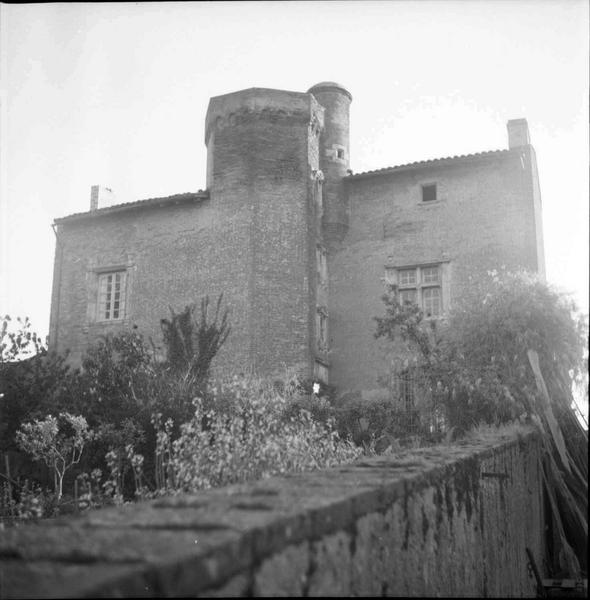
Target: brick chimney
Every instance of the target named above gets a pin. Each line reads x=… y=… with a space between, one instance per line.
x=518 y=133
x=100 y=193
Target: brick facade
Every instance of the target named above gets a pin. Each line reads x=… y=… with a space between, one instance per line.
x=279 y=196
x=484 y=218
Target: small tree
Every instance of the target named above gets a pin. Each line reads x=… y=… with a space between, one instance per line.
x=33 y=381
x=59 y=442
x=192 y=344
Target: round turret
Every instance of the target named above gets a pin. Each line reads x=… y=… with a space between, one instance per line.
x=328 y=86
x=334 y=154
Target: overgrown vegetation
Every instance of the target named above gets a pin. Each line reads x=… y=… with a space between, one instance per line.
x=510 y=350
x=143 y=427
x=376 y=424
x=250 y=433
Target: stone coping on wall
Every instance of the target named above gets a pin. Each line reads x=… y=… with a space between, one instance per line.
x=191 y=545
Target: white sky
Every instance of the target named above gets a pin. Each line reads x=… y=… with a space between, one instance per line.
x=116 y=94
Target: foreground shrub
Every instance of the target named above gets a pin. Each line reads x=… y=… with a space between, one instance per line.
x=191 y=342
x=57 y=441
x=33 y=381
x=245 y=430
x=512 y=349
x=120 y=386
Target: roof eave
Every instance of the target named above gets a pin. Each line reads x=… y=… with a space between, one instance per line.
x=137 y=205
x=436 y=162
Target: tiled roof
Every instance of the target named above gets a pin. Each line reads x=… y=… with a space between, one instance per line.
x=428 y=163
x=149 y=203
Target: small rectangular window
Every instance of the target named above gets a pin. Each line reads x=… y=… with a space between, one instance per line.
x=321 y=265
x=429 y=192
x=340 y=153
x=111 y=296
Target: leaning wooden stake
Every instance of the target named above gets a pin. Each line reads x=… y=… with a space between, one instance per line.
x=8 y=480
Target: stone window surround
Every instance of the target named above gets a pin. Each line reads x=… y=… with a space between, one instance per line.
x=93 y=272
x=321 y=334
x=440 y=192
x=444 y=265
x=321 y=265
x=427 y=187
x=321 y=369
x=332 y=153
x=317 y=177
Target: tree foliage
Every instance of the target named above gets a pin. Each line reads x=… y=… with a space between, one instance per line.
x=33 y=381
x=58 y=441
x=118 y=388
x=511 y=348
x=20 y=343
x=192 y=344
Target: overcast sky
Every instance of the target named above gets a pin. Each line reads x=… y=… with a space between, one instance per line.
x=116 y=94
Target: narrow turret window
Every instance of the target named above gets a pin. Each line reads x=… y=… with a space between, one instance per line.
x=321 y=324
x=321 y=265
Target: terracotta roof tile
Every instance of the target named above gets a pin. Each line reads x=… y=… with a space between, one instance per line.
x=428 y=163
x=148 y=203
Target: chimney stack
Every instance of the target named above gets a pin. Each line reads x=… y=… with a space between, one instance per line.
x=102 y=194
x=518 y=133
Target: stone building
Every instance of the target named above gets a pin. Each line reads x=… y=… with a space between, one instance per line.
x=299 y=246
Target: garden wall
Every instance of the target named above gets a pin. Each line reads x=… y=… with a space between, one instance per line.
x=447 y=521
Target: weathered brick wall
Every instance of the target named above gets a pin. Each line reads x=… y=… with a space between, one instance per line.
x=253 y=240
x=484 y=218
x=444 y=521
x=174 y=256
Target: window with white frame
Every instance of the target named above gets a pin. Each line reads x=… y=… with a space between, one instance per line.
x=111 y=295
x=421 y=285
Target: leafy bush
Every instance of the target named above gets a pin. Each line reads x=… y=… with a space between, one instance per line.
x=191 y=345
x=151 y=436
x=512 y=348
x=245 y=430
x=59 y=442
x=376 y=424
x=378 y=421
x=33 y=381
x=119 y=387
